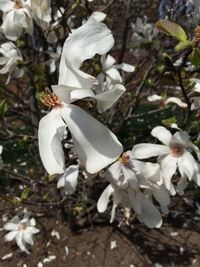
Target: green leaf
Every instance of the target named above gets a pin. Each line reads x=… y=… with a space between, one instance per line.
x=3 y=107
x=169 y=121
x=171 y=29
x=195 y=57
x=25 y=193
x=182 y=45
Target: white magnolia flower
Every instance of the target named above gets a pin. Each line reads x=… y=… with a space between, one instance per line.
x=41 y=10
x=165 y=101
x=1 y=161
x=175 y=152
x=10 y=57
x=16 y=17
x=95 y=145
x=21 y=230
x=69 y=179
x=125 y=189
x=143 y=32
x=90 y=39
x=111 y=70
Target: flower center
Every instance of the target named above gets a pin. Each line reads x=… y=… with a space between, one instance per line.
x=50 y=99
x=124 y=159
x=22 y=227
x=176 y=151
x=18 y=4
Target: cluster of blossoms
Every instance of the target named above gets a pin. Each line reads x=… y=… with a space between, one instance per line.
x=133 y=184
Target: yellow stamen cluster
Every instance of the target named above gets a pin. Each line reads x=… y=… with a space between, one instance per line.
x=124 y=159
x=176 y=151
x=18 y=4
x=50 y=100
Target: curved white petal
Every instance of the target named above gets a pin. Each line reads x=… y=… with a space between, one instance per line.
x=20 y=242
x=162 y=134
x=117 y=199
x=94 y=143
x=63 y=92
x=114 y=75
x=168 y=168
x=161 y=195
x=149 y=170
x=73 y=77
x=27 y=237
x=10 y=226
x=91 y=38
x=130 y=177
x=11 y=235
x=104 y=198
x=125 y=67
x=177 y=101
x=154 y=97
x=145 y=150
x=150 y=214
x=107 y=61
x=186 y=164
x=182 y=184
x=98 y=16
x=69 y=179
x=114 y=171
x=80 y=94
x=50 y=132
x=181 y=138
x=6 y=5
x=107 y=99
x=196 y=176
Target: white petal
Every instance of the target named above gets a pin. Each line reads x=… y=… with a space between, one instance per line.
x=114 y=75
x=80 y=94
x=181 y=138
x=49 y=138
x=145 y=150
x=98 y=16
x=149 y=170
x=130 y=177
x=182 y=184
x=33 y=230
x=125 y=67
x=74 y=78
x=109 y=98
x=161 y=195
x=177 y=101
x=10 y=236
x=27 y=237
x=196 y=176
x=94 y=143
x=154 y=97
x=70 y=179
x=104 y=199
x=150 y=214
x=162 y=134
x=10 y=226
x=6 y=5
x=114 y=171
x=168 y=168
x=117 y=199
x=63 y=92
x=91 y=38
x=20 y=242
x=107 y=62
x=186 y=164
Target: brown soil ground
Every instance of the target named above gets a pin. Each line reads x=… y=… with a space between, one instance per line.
x=177 y=243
